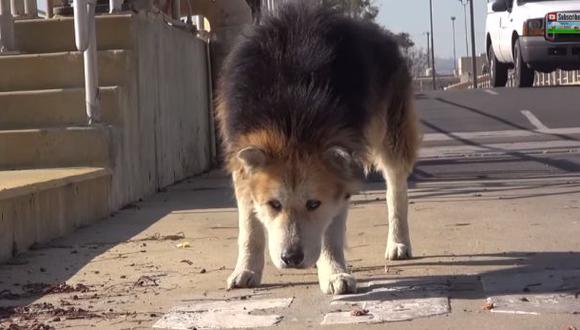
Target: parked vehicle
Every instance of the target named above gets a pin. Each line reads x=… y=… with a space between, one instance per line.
x=531 y=35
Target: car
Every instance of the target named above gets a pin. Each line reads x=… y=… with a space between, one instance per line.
x=529 y=36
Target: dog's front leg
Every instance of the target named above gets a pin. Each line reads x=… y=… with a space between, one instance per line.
x=251 y=242
x=332 y=273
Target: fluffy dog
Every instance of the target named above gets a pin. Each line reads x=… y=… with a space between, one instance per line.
x=307 y=102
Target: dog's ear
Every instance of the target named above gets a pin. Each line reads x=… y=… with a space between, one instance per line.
x=252 y=158
x=342 y=161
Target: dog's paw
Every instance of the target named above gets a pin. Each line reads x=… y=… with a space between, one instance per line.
x=398 y=251
x=341 y=283
x=243 y=279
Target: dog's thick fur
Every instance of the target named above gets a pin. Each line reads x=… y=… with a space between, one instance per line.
x=306 y=102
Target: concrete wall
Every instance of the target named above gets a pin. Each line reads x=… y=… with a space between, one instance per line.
x=166 y=131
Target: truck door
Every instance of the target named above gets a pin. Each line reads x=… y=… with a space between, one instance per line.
x=505 y=33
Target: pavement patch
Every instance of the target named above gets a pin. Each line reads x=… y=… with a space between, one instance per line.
x=224 y=314
x=390 y=301
x=546 y=292
x=536 y=304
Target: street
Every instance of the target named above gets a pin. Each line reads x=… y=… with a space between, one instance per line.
x=495 y=225
x=499 y=134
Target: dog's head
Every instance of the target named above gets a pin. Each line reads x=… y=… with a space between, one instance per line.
x=297 y=198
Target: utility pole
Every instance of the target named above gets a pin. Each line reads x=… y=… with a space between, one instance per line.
x=464 y=4
x=432 y=46
x=454 y=52
x=428 y=50
x=473 y=59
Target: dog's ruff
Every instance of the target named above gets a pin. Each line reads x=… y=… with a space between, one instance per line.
x=307 y=101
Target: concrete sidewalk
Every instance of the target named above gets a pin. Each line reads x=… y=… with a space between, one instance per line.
x=495 y=254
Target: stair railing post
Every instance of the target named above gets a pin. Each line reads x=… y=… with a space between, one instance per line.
x=176 y=10
x=31 y=8
x=6 y=27
x=86 y=42
x=17 y=7
x=115 y=6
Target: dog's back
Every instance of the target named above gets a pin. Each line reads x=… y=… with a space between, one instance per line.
x=309 y=75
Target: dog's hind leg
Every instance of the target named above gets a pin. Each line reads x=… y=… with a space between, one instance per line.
x=398 y=240
x=251 y=242
x=333 y=275
x=394 y=142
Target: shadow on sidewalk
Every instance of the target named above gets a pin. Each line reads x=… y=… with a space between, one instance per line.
x=40 y=270
x=523 y=273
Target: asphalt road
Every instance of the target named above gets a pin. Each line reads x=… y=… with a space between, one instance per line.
x=503 y=133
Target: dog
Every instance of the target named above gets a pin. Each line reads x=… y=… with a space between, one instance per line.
x=307 y=103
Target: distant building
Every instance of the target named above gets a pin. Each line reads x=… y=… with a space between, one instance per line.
x=465 y=69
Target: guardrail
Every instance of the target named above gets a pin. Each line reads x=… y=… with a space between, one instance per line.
x=556 y=78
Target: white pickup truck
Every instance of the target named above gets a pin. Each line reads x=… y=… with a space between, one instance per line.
x=531 y=35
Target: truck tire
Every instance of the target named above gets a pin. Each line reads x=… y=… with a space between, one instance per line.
x=498 y=71
x=523 y=75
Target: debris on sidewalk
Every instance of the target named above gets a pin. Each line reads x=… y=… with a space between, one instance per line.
x=183 y=245
x=67 y=288
x=32 y=316
x=158 y=237
x=359 y=311
x=489 y=305
x=145 y=281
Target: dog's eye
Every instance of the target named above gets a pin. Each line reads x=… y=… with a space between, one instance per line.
x=312 y=205
x=275 y=205
x=347 y=196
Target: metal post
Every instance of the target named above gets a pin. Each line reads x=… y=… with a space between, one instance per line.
x=464 y=4
x=31 y=8
x=454 y=49
x=86 y=41
x=199 y=23
x=6 y=27
x=428 y=50
x=473 y=59
x=176 y=10
x=432 y=46
x=115 y=6
x=17 y=8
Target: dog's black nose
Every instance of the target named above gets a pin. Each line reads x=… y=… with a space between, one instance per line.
x=293 y=257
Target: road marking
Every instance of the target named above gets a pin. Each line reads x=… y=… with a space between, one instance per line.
x=490 y=91
x=433 y=137
x=388 y=301
x=223 y=314
x=534 y=120
x=499 y=149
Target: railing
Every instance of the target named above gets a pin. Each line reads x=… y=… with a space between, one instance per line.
x=86 y=42
x=6 y=27
x=85 y=38
x=556 y=78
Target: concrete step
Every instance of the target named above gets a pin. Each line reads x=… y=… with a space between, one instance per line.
x=42 y=204
x=57 y=35
x=55 y=147
x=60 y=70
x=55 y=108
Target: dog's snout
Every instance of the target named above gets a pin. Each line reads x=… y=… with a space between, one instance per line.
x=292 y=257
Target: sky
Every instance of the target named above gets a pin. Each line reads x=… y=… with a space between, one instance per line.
x=412 y=16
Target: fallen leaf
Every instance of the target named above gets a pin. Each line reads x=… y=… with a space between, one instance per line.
x=184 y=245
